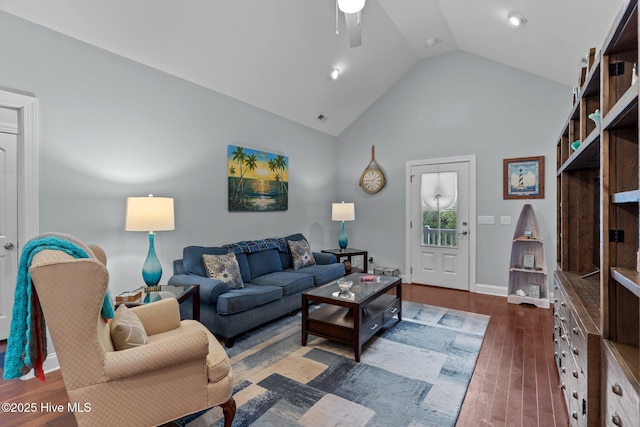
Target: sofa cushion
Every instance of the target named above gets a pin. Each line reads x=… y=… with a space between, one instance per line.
x=291 y=282
x=321 y=274
x=264 y=262
x=301 y=255
x=127 y=330
x=251 y=296
x=193 y=264
x=192 y=258
x=224 y=268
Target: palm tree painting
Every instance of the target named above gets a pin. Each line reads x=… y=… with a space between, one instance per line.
x=258 y=181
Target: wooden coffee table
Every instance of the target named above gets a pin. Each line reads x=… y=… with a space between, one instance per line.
x=352 y=321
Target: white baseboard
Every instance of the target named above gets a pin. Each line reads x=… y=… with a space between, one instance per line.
x=50 y=364
x=499 y=291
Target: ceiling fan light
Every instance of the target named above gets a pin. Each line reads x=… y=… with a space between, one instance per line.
x=516 y=19
x=351 y=6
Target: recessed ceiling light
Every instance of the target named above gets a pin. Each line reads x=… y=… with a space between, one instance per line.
x=334 y=74
x=516 y=19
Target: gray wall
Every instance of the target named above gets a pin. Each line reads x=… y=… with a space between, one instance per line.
x=112 y=128
x=454 y=105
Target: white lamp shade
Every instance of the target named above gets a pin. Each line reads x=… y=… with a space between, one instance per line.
x=149 y=214
x=343 y=211
x=351 y=6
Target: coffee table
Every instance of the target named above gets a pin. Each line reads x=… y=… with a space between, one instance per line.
x=352 y=321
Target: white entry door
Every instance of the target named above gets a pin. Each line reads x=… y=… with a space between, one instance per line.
x=440 y=227
x=8 y=216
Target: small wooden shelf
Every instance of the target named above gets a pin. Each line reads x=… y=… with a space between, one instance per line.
x=520 y=278
x=587 y=156
x=632 y=196
x=628 y=278
x=624 y=113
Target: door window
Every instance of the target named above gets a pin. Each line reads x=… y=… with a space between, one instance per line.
x=439 y=196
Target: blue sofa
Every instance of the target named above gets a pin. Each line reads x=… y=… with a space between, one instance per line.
x=272 y=287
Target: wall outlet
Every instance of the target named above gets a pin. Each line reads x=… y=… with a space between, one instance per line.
x=486 y=219
x=505 y=220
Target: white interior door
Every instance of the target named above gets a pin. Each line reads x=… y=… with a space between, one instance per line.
x=440 y=226
x=8 y=216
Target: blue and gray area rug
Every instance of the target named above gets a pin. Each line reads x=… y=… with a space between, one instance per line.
x=415 y=373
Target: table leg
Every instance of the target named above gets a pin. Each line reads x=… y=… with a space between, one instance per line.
x=305 y=314
x=357 y=321
x=195 y=300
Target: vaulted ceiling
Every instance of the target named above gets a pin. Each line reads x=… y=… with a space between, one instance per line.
x=277 y=54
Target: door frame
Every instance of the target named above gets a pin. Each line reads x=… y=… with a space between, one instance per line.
x=28 y=189
x=471 y=160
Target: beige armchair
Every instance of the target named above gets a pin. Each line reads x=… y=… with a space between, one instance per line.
x=183 y=369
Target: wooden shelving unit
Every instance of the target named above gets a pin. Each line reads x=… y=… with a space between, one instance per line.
x=528 y=284
x=597 y=283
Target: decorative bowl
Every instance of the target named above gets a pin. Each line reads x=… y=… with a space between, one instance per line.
x=344 y=286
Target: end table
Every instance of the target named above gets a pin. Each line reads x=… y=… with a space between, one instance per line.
x=348 y=253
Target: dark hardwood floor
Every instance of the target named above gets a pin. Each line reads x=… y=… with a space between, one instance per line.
x=515 y=382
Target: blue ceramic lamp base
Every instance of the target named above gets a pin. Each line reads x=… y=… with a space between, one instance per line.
x=342 y=240
x=152 y=269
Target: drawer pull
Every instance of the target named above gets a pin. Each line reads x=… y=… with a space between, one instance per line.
x=575 y=350
x=556 y=327
x=574 y=393
x=615 y=418
x=616 y=389
x=574 y=414
x=563 y=319
x=564 y=370
x=574 y=373
x=563 y=304
x=374 y=327
x=564 y=337
x=574 y=330
x=563 y=386
x=394 y=309
x=563 y=353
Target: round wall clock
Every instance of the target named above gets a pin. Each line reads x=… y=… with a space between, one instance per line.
x=372 y=179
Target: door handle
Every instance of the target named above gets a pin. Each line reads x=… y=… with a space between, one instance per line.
x=464 y=233
x=8 y=246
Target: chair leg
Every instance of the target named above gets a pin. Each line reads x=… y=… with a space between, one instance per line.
x=229 y=411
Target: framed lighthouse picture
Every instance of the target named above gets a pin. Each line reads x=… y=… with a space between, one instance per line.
x=523 y=178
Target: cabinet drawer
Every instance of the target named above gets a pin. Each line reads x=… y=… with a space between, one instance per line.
x=391 y=311
x=621 y=400
x=368 y=329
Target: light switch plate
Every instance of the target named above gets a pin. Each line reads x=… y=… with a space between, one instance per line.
x=486 y=219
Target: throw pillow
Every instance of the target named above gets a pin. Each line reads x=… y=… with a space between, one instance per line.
x=301 y=254
x=126 y=329
x=224 y=268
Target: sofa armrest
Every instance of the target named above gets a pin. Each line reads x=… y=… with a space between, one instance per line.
x=156 y=356
x=324 y=258
x=160 y=316
x=209 y=288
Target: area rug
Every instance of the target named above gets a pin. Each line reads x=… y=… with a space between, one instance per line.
x=413 y=373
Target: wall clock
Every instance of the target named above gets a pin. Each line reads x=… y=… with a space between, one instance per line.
x=372 y=179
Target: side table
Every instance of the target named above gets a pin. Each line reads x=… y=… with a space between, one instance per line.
x=348 y=253
x=179 y=292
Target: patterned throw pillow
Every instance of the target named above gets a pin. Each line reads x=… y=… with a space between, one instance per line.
x=126 y=329
x=301 y=254
x=224 y=268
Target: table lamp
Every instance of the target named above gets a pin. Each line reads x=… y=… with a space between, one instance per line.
x=150 y=214
x=343 y=212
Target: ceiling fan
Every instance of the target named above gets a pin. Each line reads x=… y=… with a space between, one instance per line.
x=352 y=10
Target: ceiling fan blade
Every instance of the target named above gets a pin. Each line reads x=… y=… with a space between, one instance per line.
x=353 y=28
